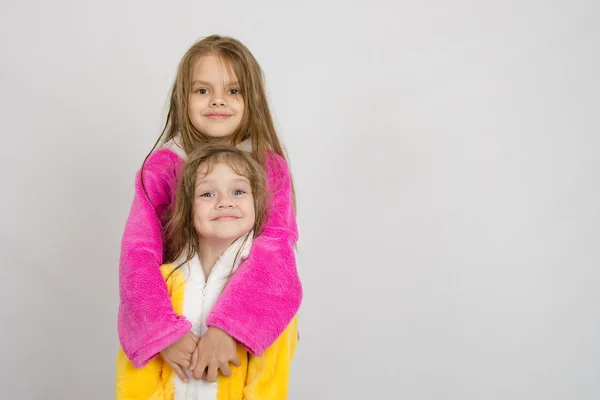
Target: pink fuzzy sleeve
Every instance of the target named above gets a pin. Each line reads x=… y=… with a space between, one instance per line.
x=147 y=323
x=265 y=293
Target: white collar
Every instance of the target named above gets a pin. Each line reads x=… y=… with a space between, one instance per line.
x=176 y=146
x=224 y=265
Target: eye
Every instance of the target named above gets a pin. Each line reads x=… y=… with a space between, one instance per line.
x=234 y=92
x=202 y=91
x=207 y=194
x=238 y=192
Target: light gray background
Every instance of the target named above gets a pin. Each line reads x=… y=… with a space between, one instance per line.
x=445 y=155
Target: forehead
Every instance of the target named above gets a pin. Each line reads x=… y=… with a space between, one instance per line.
x=214 y=69
x=220 y=171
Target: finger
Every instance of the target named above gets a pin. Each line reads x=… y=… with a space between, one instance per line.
x=213 y=372
x=189 y=345
x=181 y=358
x=194 y=359
x=225 y=370
x=199 y=370
x=184 y=363
x=177 y=369
x=236 y=361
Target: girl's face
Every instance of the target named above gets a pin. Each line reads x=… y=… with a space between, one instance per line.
x=223 y=204
x=216 y=106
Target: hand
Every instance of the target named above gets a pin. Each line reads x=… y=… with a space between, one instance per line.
x=215 y=350
x=179 y=355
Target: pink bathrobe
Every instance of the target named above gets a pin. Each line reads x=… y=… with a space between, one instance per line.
x=258 y=303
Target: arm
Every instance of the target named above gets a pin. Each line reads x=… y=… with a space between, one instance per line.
x=147 y=323
x=265 y=293
x=138 y=383
x=155 y=378
x=268 y=375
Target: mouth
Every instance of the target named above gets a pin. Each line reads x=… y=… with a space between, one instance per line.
x=217 y=116
x=225 y=218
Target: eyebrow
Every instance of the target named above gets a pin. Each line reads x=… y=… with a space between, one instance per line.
x=237 y=180
x=205 y=83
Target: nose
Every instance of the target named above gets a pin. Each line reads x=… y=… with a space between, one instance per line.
x=225 y=202
x=218 y=101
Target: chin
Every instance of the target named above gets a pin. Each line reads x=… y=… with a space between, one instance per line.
x=229 y=235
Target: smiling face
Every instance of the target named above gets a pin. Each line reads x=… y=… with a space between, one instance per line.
x=216 y=105
x=223 y=204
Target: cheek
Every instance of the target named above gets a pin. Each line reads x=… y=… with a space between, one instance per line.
x=194 y=108
x=239 y=106
x=200 y=218
x=250 y=214
x=192 y=116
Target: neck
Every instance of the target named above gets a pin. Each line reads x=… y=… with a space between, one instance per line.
x=209 y=251
x=228 y=140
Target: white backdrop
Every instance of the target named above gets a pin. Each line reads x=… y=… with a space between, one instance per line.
x=446 y=162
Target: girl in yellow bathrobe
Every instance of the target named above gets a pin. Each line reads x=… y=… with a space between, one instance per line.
x=220 y=204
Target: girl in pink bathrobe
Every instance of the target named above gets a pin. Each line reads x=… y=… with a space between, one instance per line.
x=218 y=97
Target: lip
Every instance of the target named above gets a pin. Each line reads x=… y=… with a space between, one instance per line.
x=225 y=218
x=217 y=116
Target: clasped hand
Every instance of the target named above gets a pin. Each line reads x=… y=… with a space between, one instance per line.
x=204 y=357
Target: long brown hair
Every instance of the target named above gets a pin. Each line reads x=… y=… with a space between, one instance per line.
x=257 y=122
x=181 y=238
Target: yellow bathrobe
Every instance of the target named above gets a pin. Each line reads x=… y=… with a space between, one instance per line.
x=257 y=378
